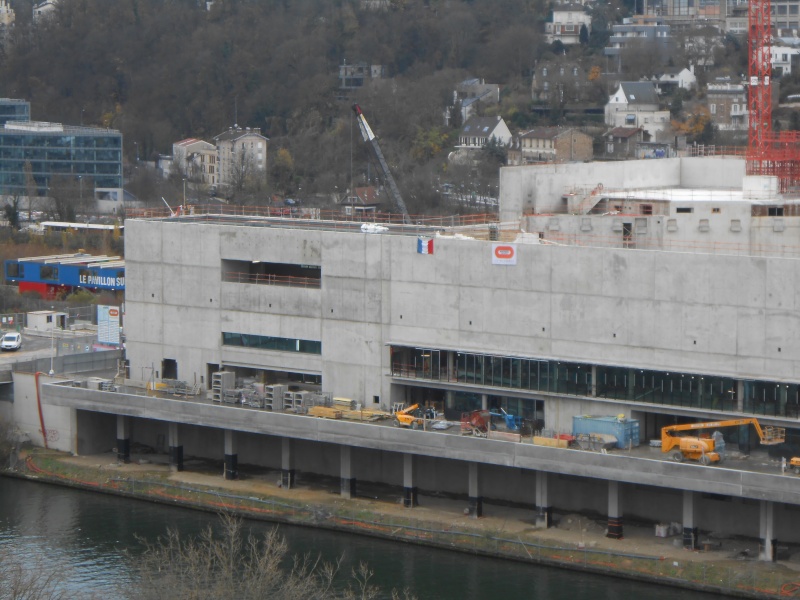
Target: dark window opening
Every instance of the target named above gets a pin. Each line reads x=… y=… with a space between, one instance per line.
x=48 y=272
x=169 y=366
x=647 y=209
x=775 y=211
x=15 y=270
x=268 y=273
x=264 y=342
x=684 y=209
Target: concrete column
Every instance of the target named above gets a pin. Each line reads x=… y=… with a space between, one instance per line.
x=287 y=472
x=409 y=482
x=347 y=481
x=689 y=528
x=740 y=396
x=544 y=512
x=231 y=457
x=614 y=511
x=123 y=439
x=484 y=401
x=767 y=525
x=475 y=500
x=175 y=448
x=594 y=380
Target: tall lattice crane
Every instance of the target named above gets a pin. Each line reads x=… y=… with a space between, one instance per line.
x=368 y=136
x=768 y=152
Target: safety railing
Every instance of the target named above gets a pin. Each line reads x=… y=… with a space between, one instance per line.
x=268 y=279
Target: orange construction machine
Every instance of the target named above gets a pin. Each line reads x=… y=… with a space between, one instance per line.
x=702 y=449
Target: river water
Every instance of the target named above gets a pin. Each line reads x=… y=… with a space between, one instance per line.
x=84 y=533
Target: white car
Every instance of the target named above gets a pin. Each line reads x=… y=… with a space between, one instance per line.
x=11 y=341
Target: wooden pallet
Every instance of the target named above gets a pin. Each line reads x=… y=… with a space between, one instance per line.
x=324 y=412
x=365 y=415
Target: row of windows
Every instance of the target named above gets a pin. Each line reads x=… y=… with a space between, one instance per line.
x=618 y=383
x=264 y=342
x=17 y=140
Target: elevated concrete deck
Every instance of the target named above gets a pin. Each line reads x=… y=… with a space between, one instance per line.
x=610 y=467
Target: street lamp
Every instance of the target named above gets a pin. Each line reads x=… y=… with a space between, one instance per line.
x=52 y=339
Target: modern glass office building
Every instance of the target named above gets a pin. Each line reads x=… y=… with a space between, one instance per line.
x=14 y=110
x=88 y=153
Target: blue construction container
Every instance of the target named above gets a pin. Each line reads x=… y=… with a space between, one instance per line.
x=625 y=430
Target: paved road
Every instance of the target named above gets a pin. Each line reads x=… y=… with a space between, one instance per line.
x=37 y=346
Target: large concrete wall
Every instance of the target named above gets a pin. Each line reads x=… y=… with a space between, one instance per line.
x=539 y=188
x=699 y=313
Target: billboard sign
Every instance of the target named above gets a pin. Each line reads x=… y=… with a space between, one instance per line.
x=108 y=325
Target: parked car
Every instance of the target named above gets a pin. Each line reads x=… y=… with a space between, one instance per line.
x=11 y=341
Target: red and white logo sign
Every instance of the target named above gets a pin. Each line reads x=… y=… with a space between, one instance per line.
x=504 y=254
x=113 y=312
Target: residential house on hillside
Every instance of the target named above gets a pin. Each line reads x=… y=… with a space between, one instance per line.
x=195 y=160
x=355 y=75
x=42 y=9
x=638 y=31
x=620 y=142
x=479 y=131
x=550 y=144
x=471 y=93
x=783 y=59
x=567 y=20
x=241 y=157
x=7 y=14
x=676 y=77
x=727 y=104
x=636 y=104
x=561 y=79
x=364 y=200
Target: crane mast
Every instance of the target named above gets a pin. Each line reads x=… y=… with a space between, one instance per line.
x=759 y=93
x=370 y=137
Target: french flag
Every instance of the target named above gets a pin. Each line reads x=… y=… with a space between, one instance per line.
x=425 y=245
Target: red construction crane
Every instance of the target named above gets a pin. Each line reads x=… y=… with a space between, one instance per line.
x=768 y=152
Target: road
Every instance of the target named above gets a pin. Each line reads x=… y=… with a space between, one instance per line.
x=42 y=346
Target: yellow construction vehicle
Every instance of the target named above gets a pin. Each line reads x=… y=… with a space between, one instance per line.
x=702 y=449
x=413 y=416
x=794 y=463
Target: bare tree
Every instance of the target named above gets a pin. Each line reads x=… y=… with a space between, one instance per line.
x=30 y=579
x=234 y=565
x=69 y=196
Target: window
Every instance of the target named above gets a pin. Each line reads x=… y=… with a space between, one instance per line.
x=48 y=272
x=712 y=108
x=646 y=209
x=15 y=270
x=263 y=342
x=716 y=210
x=775 y=211
x=684 y=209
x=561 y=70
x=575 y=71
x=544 y=72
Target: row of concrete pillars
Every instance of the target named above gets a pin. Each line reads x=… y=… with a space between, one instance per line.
x=544 y=508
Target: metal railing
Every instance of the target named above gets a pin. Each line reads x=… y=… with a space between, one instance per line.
x=269 y=279
x=214 y=212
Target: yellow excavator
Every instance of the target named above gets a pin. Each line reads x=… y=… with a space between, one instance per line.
x=702 y=449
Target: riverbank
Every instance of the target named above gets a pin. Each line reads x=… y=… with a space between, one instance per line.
x=576 y=542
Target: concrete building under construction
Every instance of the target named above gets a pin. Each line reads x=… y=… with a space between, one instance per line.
x=662 y=290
